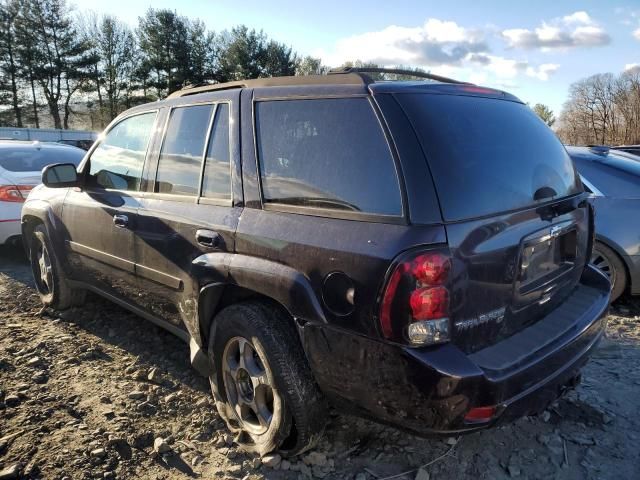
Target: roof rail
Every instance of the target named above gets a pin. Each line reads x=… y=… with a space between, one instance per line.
x=353 y=79
x=398 y=71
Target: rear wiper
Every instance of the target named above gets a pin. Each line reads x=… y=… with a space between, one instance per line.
x=544 y=192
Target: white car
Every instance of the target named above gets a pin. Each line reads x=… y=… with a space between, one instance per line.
x=21 y=164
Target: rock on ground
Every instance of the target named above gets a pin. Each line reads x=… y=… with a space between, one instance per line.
x=97 y=392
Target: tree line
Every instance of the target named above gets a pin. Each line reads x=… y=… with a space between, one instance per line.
x=53 y=60
x=602 y=109
x=57 y=64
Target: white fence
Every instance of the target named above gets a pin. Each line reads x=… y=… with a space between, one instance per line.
x=45 y=134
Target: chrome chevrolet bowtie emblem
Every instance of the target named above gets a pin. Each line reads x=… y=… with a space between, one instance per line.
x=555 y=231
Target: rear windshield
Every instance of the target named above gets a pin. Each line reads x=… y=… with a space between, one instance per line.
x=487 y=155
x=31 y=159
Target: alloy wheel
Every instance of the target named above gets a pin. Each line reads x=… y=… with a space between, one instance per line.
x=248 y=386
x=44 y=275
x=603 y=264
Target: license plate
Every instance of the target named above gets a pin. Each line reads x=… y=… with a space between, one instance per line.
x=547 y=256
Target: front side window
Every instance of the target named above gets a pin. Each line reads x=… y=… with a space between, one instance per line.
x=326 y=153
x=183 y=149
x=117 y=161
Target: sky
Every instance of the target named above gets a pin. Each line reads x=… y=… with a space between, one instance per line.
x=534 y=49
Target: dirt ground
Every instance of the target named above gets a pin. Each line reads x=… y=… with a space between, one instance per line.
x=88 y=393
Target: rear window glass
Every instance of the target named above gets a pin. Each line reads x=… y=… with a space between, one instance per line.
x=328 y=153
x=217 y=174
x=181 y=155
x=31 y=159
x=488 y=156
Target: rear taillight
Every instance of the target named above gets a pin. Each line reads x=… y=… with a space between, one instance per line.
x=480 y=414
x=14 y=193
x=414 y=306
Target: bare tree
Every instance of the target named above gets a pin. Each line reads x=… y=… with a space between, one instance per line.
x=602 y=109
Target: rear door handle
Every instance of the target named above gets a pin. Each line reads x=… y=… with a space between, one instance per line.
x=121 y=221
x=209 y=239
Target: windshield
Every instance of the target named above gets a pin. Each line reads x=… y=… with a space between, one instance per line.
x=31 y=159
x=488 y=156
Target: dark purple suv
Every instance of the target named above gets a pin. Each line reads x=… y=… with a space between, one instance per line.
x=416 y=252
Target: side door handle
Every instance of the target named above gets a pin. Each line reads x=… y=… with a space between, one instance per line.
x=121 y=221
x=210 y=239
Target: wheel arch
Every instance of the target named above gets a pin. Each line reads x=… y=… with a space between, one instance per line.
x=29 y=223
x=231 y=278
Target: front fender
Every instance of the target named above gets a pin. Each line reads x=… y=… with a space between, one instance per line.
x=34 y=212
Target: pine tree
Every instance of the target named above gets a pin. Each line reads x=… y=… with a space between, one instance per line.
x=9 y=87
x=61 y=58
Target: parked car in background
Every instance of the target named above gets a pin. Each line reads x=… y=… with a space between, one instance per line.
x=613 y=178
x=83 y=144
x=330 y=237
x=21 y=165
x=634 y=149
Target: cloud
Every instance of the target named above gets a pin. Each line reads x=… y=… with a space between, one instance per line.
x=636 y=33
x=437 y=45
x=631 y=66
x=570 y=31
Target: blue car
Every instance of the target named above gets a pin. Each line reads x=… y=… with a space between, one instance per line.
x=613 y=178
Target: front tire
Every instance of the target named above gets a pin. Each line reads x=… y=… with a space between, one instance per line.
x=611 y=265
x=51 y=282
x=263 y=387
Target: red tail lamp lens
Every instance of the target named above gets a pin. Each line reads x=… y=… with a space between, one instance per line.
x=480 y=414
x=415 y=303
x=13 y=193
x=431 y=268
x=429 y=303
x=387 y=300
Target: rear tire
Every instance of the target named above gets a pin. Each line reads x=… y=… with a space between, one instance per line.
x=50 y=280
x=262 y=384
x=611 y=265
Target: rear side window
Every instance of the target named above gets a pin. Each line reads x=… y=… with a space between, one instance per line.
x=326 y=153
x=487 y=155
x=31 y=158
x=217 y=174
x=117 y=161
x=182 y=150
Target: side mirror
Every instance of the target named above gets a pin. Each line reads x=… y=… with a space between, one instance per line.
x=60 y=175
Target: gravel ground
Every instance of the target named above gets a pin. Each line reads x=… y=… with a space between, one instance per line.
x=100 y=393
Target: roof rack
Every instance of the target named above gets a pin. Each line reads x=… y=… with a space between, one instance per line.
x=352 y=79
x=397 y=71
x=341 y=75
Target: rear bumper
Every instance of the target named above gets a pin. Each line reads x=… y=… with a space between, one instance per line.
x=9 y=228
x=430 y=390
x=9 y=220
